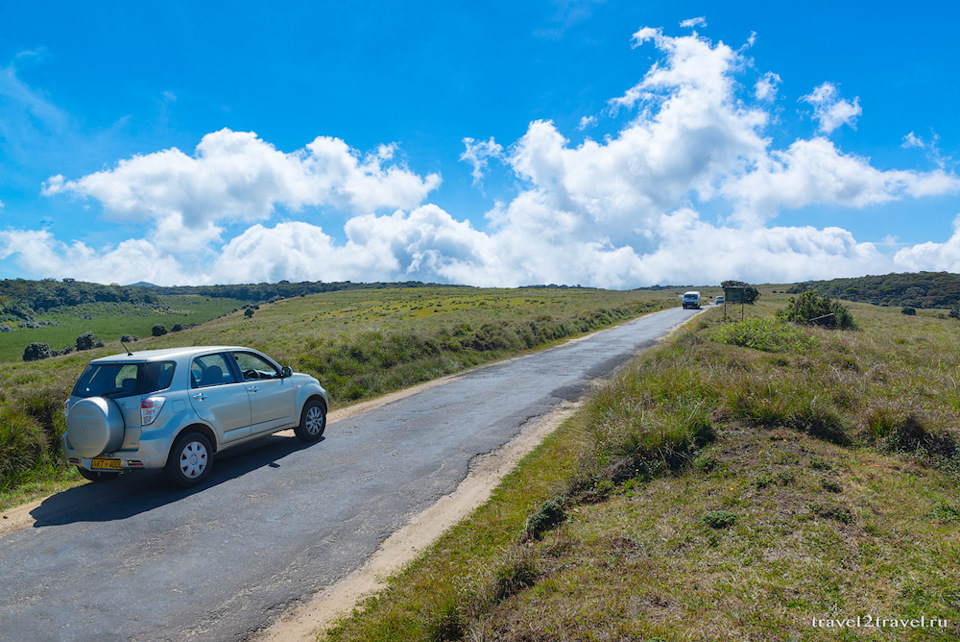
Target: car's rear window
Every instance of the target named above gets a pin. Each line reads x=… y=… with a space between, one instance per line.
x=124 y=379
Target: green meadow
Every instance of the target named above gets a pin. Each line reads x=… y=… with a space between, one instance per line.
x=358 y=343
x=747 y=480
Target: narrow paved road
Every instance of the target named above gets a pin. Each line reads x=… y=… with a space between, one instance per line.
x=278 y=520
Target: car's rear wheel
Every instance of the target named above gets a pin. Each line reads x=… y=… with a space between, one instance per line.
x=190 y=459
x=96 y=475
x=313 y=421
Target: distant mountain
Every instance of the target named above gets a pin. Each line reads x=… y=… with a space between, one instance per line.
x=143 y=284
x=915 y=289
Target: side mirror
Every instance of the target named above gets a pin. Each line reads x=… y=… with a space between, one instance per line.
x=286 y=371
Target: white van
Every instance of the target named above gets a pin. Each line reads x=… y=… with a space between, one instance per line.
x=691 y=299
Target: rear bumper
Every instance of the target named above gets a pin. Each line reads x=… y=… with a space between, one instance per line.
x=149 y=454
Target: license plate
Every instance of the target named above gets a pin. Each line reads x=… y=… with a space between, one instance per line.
x=105 y=464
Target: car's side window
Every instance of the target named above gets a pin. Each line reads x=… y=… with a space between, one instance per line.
x=157 y=375
x=255 y=367
x=210 y=370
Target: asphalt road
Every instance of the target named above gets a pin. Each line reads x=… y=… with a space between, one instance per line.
x=278 y=520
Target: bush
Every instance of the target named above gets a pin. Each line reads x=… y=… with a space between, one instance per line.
x=549 y=515
x=36 y=351
x=176 y=327
x=158 y=330
x=909 y=311
x=810 y=305
x=248 y=313
x=719 y=519
x=87 y=341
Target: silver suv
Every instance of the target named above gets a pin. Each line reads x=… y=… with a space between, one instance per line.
x=173 y=409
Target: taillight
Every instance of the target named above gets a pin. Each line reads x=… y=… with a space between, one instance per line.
x=66 y=407
x=149 y=409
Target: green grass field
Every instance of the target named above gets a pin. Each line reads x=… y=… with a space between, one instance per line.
x=746 y=481
x=358 y=343
x=110 y=321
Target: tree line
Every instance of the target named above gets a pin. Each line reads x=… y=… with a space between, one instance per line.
x=910 y=289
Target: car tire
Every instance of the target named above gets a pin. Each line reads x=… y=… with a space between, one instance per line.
x=313 y=421
x=190 y=459
x=96 y=475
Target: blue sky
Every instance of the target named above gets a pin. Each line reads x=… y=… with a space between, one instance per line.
x=617 y=144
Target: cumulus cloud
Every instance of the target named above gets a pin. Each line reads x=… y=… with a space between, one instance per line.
x=767 y=87
x=238 y=176
x=815 y=172
x=830 y=110
x=624 y=211
x=39 y=253
x=932 y=256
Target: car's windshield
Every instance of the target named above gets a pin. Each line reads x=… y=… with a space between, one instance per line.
x=124 y=379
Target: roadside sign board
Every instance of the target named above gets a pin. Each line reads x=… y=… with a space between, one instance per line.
x=733 y=295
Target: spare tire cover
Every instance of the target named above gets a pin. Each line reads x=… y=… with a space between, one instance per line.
x=94 y=426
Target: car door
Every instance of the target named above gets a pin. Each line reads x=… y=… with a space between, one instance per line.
x=273 y=399
x=218 y=398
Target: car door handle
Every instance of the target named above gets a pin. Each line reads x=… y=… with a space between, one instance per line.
x=253 y=388
x=200 y=396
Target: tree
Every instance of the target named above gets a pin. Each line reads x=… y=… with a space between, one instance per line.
x=36 y=351
x=750 y=293
x=158 y=330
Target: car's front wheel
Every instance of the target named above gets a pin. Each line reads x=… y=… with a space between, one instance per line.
x=190 y=459
x=313 y=421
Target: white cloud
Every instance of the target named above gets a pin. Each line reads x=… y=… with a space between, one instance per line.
x=478 y=155
x=690 y=23
x=767 y=87
x=38 y=252
x=237 y=176
x=830 y=111
x=815 y=172
x=932 y=256
x=586 y=122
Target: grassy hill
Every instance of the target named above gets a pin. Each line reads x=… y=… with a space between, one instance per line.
x=719 y=492
x=359 y=343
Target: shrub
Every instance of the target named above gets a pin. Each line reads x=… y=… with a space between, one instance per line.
x=86 y=341
x=158 y=330
x=127 y=338
x=909 y=311
x=810 y=305
x=176 y=327
x=549 y=514
x=36 y=351
x=719 y=519
x=248 y=312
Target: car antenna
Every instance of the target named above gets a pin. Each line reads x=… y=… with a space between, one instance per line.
x=129 y=354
